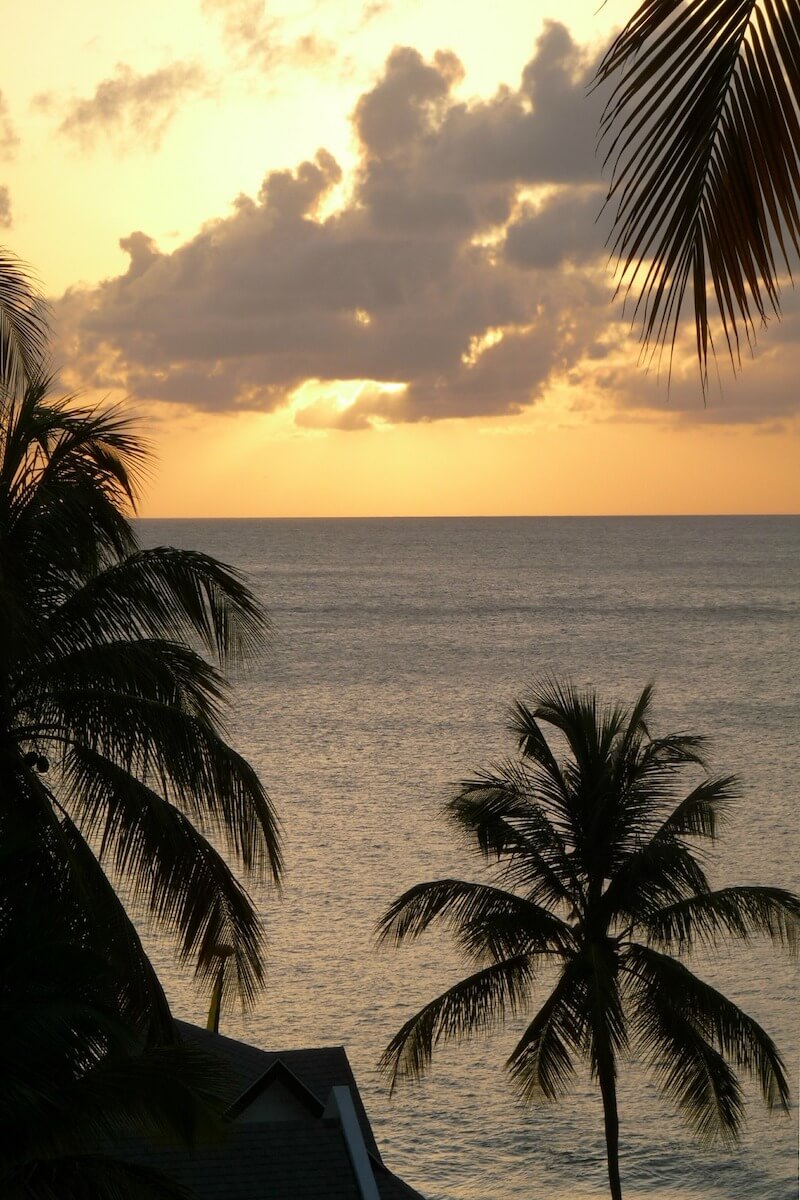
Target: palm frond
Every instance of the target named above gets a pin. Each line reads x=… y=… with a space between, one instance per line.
x=175 y=874
x=588 y=727
x=150 y=668
x=703 y=132
x=542 y=1062
x=485 y=920
x=703 y=811
x=694 y=1076
x=687 y=1030
x=190 y=763
x=487 y=807
x=636 y=723
x=69 y=476
x=532 y=743
x=662 y=872
x=167 y=592
x=475 y=1004
x=141 y=1001
x=732 y=912
x=51 y=439
x=500 y=810
x=24 y=330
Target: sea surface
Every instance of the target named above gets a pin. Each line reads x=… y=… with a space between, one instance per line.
x=397 y=647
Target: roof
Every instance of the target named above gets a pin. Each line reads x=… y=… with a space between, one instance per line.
x=283 y=1161
x=301 y=1154
x=318 y=1069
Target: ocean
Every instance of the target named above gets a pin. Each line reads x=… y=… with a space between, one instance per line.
x=397 y=647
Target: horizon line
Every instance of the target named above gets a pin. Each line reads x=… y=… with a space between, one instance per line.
x=623 y=516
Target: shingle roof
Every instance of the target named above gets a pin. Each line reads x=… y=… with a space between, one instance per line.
x=317 y=1069
x=285 y=1160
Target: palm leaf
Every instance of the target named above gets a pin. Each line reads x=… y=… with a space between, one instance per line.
x=541 y=1064
x=183 y=753
x=486 y=920
x=687 y=1029
x=533 y=744
x=735 y=912
x=141 y=1000
x=24 y=332
x=703 y=132
x=68 y=475
x=487 y=807
x=701 y=813
x=166 y=592
x=475 y=1004
x=500 y=810
x=175 y=874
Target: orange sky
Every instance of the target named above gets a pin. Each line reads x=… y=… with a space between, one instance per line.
x=418 y=320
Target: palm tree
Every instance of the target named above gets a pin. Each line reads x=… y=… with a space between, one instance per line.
x=110 y=711
x=703 y=129
x=598 y=882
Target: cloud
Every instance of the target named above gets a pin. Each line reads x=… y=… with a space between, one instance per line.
x=409 y=283
x=8 y=135
x=5 y=208
x=133 y=108
x=763 y=391
x=462 y=275
x=564 y=228
x=258 y=39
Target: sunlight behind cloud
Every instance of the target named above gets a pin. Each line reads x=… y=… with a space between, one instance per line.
x=434 y=283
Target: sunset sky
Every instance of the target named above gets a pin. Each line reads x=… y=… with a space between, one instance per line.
x=343 y=259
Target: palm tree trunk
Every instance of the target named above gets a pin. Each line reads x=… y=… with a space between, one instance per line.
x=608 y=1090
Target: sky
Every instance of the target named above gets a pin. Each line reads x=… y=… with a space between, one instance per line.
x=347 y=258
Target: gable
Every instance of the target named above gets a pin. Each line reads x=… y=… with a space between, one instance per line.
x=277 y=1095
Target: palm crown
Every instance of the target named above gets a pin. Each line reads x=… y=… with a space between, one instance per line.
x=110 y=710
x=599 y=880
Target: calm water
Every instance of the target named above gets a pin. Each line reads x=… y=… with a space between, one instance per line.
x=397 y=646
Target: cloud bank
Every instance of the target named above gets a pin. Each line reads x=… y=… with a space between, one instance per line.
x=463 y=274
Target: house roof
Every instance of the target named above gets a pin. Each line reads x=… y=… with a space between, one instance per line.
x=318 y=1069
x=276 y=1159
x=281 y=1161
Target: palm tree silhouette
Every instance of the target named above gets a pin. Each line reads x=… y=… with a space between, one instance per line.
x=110 y=713
x=703 y=129
x=597 y=880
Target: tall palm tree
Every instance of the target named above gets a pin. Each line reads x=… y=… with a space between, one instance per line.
x=110 y=710
x=597 y=881
x=703 y=129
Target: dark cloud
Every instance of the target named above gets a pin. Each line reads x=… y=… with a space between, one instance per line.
x=135 y=109
x=5 y=208
x=565 y=227
x=463 y=273
x=428 y=276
